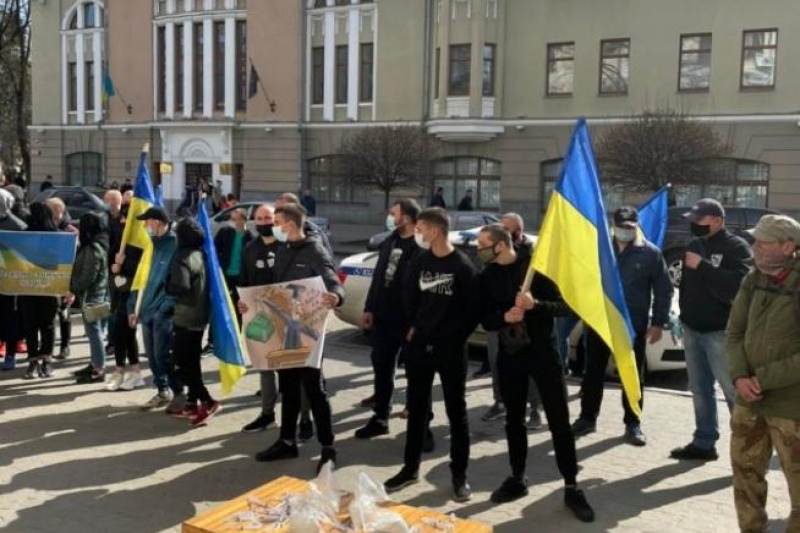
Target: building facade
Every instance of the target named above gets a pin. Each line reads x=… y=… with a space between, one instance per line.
x=259 y=94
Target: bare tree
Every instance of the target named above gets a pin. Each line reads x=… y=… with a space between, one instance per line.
x=386 y=158
x=15 y=103
x=658 y=147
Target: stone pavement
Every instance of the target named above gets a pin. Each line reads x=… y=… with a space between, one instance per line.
x=75 y=458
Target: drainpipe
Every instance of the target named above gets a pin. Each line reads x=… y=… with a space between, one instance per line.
x=426 y=63
x=302 y=158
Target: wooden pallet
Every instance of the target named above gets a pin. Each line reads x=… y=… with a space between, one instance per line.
x=220 y=518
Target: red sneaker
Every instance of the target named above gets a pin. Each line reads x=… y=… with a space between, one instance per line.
x=22 y=347
x=205 y=411
x=188 y=412
x=2 y=349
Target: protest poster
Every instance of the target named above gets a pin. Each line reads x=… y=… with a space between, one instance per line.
x=284 y=326
x=36 y=263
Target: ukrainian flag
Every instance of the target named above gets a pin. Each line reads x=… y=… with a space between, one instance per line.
x=653 y=216
x=228 y=343
x=134 y=233
x=574 y=250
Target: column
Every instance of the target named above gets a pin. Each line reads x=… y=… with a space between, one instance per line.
x=65 y=81
x=353 y=64
x=169 y=55
x=188 y=69
x=208 y=68
x=478 y=37
x=330 y=66
x=80 y=58
x=230 y=67
x=97 y=65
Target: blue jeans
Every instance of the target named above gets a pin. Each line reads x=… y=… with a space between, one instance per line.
x=157 y=336
x=94 y=332
x=705 y=364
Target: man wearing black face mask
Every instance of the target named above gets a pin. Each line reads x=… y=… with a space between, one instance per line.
x=645 y=280
x=714 y=266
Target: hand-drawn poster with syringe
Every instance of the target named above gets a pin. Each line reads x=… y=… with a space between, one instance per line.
x=284 y=326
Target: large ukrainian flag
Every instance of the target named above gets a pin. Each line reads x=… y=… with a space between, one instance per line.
x=228 y=343
x=574 y=251
x=134 y=233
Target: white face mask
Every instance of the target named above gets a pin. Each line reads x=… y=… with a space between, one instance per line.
x=624 y=234
x=390 y=225
x=279 y=234
x=421 y=242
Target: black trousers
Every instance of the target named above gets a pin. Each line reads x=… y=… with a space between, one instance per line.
x=542 y=364
x=11 y=329
x=597 y=354
x=310 y=380
x=387 y=343
x=126 y=347
x=65 y=325
x=187 y=345
x=423 y=362
x=39 y=315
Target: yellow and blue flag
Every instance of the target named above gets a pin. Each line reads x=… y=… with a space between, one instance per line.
x=574 y=250
x=135 y=233
x=653 y=216
x=228 y=342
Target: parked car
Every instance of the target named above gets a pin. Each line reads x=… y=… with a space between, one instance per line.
x=223 y=218
x=79 y=200
x=737 y=219
x=459 y=221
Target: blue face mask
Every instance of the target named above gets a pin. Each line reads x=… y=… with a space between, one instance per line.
x=279 y=234
x=390 y=225
x=150 y=231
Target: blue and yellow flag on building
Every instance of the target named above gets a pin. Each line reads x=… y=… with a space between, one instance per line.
x=574 y=250
x=653 y=216
x=228 y=342
x=135 y=233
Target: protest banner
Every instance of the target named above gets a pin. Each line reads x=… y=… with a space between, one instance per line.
x=36 y=263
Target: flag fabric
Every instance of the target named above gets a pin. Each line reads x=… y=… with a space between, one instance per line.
x=108 y=85
x=254 y=81
x=574 y=250
x=653 y=217
x=135 y=233
x=228 y=342
x=159 y=195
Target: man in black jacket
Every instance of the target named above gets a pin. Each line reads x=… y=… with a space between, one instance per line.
x=301 y=257
x=383 y=310
x=524 y=322
x=309 y=228
x=442 y=307
x=645 y=280
x=714 y=266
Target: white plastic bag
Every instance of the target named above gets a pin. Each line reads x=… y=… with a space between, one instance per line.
x=365 y=513
x=325 y=488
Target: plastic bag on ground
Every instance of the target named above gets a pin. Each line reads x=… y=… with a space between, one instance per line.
x=365 y=513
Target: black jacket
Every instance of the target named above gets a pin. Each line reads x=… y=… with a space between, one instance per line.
x=389 y=279
x=309 y=228
x=186 y=280
x=645 y=280
x=707 y=292
x=307 y=259
x=224 y=244
x=121 y=283
x=258 y=263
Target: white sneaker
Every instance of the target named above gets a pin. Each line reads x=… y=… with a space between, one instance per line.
x=115 y=382
x=133 y=380
x=158 y=401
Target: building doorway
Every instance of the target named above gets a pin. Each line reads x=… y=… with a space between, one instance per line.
x=196 y=172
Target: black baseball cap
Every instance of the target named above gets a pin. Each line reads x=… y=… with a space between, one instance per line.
x=626 y=216
x=704 y=208
x=155 y=213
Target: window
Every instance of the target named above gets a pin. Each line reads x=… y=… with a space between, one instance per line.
x=198 y=66
x=179 y=60
x=437 y=67
x=317 y=75
x=179 y=7
x=319 y=3
x=613 y=195
x=241 y=65
x=328 y=185
x=695 y=62
x=459 y=69
x=759 y=56
x=72 y=70
x=456 y=175
x=90 y=86
x=83 y=168
x=488 y=70
x=366 y=71
x=161 y=47
x=219 y=64
x=614 y=66
x=342 y=2
x=92 y=16
x=161 y=7
x=560 y=69
x=341 y=74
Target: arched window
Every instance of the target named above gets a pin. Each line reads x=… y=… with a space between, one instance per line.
x=329 y=185
x=82 y=66
x=456 y=175
x=90 y=16
x=84 y=168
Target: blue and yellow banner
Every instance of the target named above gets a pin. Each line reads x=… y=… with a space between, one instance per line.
x=228 y=342
x=574 y=250
x=36 y=263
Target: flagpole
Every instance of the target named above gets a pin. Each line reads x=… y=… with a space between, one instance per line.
x=270 y=101
x=140 y=294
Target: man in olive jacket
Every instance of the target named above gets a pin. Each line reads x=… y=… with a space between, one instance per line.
x=762 y=345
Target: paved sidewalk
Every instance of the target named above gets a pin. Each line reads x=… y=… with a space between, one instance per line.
x=75 y=458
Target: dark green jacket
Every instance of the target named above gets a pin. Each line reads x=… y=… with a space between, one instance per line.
x=763 y=340
x=186 y=281
x=89 y=280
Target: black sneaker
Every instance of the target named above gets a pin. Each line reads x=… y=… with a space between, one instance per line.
x=88 y=369
x=328 y=455
x=576 y=502
x=369 y=403
x=63 y=354
x=429 y=444
x=483 y=371
x=462 y=492
x=513 y=488
x=264 y=421
x=93 y=377
x=402 y=480
x=583 y=427
x=32 y=371
x=690 y=452
x=279 y=450
x=634 y=435
x=374 y=428
x=306 y=431
x=45 y=370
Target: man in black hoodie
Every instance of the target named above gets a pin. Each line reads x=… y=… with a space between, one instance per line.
x=301 y=257
x=714 y=266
